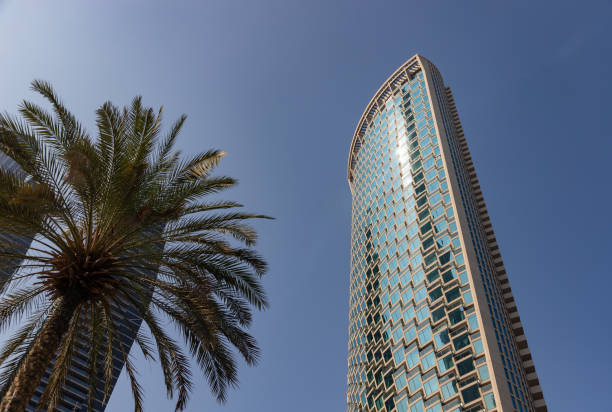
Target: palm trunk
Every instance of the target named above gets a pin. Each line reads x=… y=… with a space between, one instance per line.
x=38 y=358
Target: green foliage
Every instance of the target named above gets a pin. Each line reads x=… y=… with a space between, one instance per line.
x=108 y=214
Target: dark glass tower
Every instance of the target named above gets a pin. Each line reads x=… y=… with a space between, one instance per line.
x=14 y=243
x=75 y=389
x=432 y=325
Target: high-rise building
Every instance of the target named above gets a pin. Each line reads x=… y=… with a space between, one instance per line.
x=75 y=389
x=13 y=242
x=433 y=325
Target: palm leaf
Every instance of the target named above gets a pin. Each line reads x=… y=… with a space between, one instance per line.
x=121 y=232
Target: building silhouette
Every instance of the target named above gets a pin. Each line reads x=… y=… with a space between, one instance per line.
x=14 y=243
x=433 y=325
x=75 y=389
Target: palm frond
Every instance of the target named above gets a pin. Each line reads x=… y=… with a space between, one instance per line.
x=121 y=233
x=61 y=365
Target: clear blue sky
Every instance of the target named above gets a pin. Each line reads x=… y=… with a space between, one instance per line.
x=280 y=86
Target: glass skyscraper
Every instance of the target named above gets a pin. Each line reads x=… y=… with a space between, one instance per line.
x=433 y=325
x=75 y=389
x=14 y=243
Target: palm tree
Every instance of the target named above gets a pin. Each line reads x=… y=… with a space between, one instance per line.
x=109 y=213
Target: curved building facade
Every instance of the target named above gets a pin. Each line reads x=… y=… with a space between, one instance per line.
x=433 y=325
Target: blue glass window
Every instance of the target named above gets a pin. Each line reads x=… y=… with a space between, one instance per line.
x=418 y=277
x=423 y=313
x=460 y=260
x=456 y=316
x=465 y=366
x=400 y=381
x=443 y=241
x=420 y=294
x=431 y=385
x=417 y=407
x=416 y=261
x=437 y=212
x=478 y=348
x=397 y=334
x=449 y=389
x=471 y=393
x=440 y=226
x=483 y=371
x=428 y=361
x=394 y=298
x=461 y=341
x=489 y=399
x=412 y=358
x=415 y=383
x=410 y=334
x=425 y=335
x=473 y=322
x=442 y=339
x=408 y=313
x=445 y=363
x=435 y=408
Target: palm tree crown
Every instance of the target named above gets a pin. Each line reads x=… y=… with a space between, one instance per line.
x=119 y=221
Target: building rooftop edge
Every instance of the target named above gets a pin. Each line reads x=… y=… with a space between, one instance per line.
x=411 y=65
